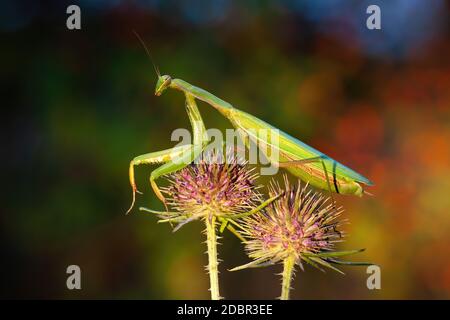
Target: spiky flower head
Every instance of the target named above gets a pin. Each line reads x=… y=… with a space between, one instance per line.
x=215 y=185
x=302 y=224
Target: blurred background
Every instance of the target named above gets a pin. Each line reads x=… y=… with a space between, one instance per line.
x=79 y=105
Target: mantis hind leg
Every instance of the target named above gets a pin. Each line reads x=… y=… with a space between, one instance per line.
x=319 y=159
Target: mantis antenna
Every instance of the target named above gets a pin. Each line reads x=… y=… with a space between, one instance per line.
x=148 y=53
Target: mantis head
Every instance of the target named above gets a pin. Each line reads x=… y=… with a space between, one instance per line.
x=162 y=84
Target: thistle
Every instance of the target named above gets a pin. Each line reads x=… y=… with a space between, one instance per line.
x=214 y=190
x=302 y=226
x=214 y=187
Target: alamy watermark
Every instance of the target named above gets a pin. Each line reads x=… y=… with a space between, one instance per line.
x=73 y=21
x=374 y=280
x=74 y=279
x=373 y=21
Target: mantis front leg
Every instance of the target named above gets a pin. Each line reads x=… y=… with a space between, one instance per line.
x=200 y=142
x=152 y=158
x=176 y=158
x=173 y=166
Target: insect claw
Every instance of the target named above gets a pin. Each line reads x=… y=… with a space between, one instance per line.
x=132 y=201
x=135 y=190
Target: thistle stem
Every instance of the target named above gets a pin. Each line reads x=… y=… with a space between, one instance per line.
x=288 y=274
x=211 y=241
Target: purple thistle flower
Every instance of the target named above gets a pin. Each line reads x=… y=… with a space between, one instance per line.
x=214 y=185
x=301 y=226
x=302 y=223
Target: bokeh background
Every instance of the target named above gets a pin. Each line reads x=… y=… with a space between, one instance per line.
x=78 y=105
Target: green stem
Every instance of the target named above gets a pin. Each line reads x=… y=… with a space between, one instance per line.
x=211 y=241
x=288 y=274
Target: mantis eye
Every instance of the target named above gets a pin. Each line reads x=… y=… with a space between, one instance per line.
x=162 y=84
x=167 y=80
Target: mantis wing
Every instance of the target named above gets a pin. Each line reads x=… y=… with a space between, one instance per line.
x=291 y=148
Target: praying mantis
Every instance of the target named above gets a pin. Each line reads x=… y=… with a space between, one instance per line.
x=301 y=160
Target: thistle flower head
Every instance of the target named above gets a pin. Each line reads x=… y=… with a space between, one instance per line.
x=302 y=224
x=214 y=185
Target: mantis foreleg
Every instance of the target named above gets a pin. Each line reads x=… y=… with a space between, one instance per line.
x=173 y=166
x=200 y=141
x=152 y=158
x=183 y=154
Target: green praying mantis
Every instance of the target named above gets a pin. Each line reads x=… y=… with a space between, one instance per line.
x=301 y=160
